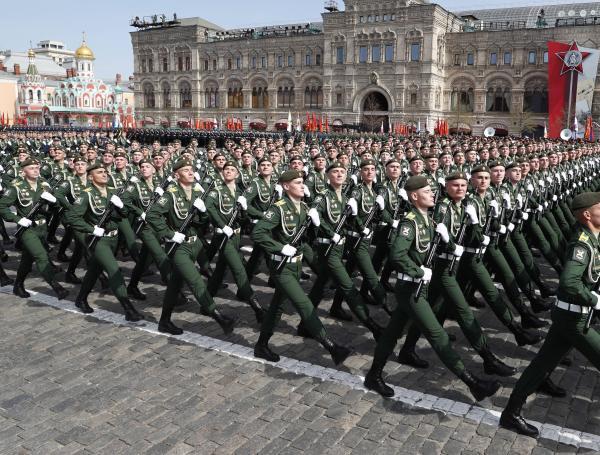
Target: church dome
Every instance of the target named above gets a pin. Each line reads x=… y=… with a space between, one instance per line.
x=83 y=52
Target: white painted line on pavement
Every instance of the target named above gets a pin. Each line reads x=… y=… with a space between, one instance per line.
x=409 y=397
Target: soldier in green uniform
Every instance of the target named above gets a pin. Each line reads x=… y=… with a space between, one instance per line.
x=83 y=216
x=411 y=246
x=166 y=218
x=274 y=233
x=577 y=296
x=22 y=194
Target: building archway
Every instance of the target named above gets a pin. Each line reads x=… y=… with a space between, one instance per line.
x=375 y=112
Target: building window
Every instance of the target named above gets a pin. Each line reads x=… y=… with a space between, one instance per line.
x=376 y=53
x=363 y=54
x=260 y=98
x=470 y=58
x=229 y=64
x=280 y=61
x=238 y=63
x=389 y=53
x=212 y=98
x=205 y=65
x=362 y=19
x=545 y=57
x=318 y=59
x=263 y=62
x=180 y=63
x=254 y=62
x=150 y=65
x=532 y=58
x=188 y=63
x=166 y=95
x=285 y=96
x=215 y=64
x=338 y=99
x=493 y=58
x=290 y=60
x=456 y=59
x=498 y=99
x=462 y=100
x=507 y=58
x=165 y=64
x=148 y=95
x=415 y=52
x=308 y=59
x=413 y=99
x=313 y=96
x=339 y=55
x=185 y=95
x=235 y=97
x=535 y=99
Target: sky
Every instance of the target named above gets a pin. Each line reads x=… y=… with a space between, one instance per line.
x=106 y=23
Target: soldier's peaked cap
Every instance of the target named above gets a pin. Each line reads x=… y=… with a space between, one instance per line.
x=288 y=176
x=585 y=200
x=416 y=183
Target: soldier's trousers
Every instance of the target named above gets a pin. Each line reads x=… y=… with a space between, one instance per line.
x=503 y=271
x=287 y=286
x=254 y=261
x=151 y=251
x=536 y=235
x=360 y=257
x=419 y=313
x=103 y=258
x=33 y=250
x=550 y=235
x=184 y=271
x=524 y=253
x=127 y=237
x=565 y=333
x=230 y=257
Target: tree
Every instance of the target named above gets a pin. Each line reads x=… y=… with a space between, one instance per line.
x=525 y=121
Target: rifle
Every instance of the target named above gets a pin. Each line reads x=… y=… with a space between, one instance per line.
x=524 y=210
x=38 y=205
x=460 y=237
x=487 y=229
x=141 y=222
x=590 y=317
x=338 y=228
x=231 y=222
x=187 y=221
x=104 y=219
x=400 y=203
x=513 y=220
x=368 y=222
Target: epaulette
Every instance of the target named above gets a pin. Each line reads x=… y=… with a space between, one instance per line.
x=172 y=189
x=583 y=237
x=16 y=182
x=280 y=203
x=410 y=216
x=88 y=189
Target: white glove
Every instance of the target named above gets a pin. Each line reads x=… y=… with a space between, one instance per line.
x=306 y=191
x=442 y=181
x=524 y=216
x=305 y=170
x=403 y=194
x=366 y=231
x=502 y=229
x=541 y=183
x=554 y=198
x=458 y=251
x=288 y=250
x=116 y=201
x=48 y=197
x=530 y=188
x=441 y=229
x=98 y=231
x=336 y=239
x=197 y=176
x=158 y=190
x=243 y=202
x=545 y=204
x=520 y=200
x=511 y=227
x=472 y=214
x=353 y=205
x=540 y=208
x=506 y=199
x=199 y=204
x=25 y=222
x=143 y=216
x=380 y=202
x=486 y=240
x=395 y=224
x=354 y=178
x=178 y=237
x=227 y=231
x=426 y=278
x=494 y=205
x=597 y=303
x=314 y=216
x=279 y=190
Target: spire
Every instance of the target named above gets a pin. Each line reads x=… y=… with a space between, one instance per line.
x=32 y=71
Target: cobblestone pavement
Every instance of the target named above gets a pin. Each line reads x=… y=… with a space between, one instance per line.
x=71 y=383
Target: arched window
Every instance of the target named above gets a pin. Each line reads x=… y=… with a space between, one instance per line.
x=185 y=94
x=211 y=96
x=535 y=98
x=313 y=94
x=39 y=96
x=462 y=99
x=235 y=97
x=72 y=101
x=166 y=95
x=498 y=97
x=285 y=94
x=260 y=96
x=148 y=95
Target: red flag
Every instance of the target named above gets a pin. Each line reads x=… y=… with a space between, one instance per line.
x=327 y=124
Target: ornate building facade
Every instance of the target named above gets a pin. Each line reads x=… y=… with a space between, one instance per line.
x=372 y=64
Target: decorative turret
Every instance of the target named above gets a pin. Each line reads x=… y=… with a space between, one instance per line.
x=84 y=58
x=32 y=85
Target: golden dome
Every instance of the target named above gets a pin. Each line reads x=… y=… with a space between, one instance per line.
x=30 y=53
x=84 y=52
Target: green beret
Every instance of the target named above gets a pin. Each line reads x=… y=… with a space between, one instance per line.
x=230 y=164
x=145 y=161
x=416 y=183
x=392 y=161
x=182 y=163
x=264 y=159
x=481 y=168
x=78 y=158
x=296 y=158
x=335 y=165
x=121 y=155
x=95 y=165
x=495 y=163
x=456 y=175
x=368 y=162
x=585 y=200
x=339 y=155
x=513 y=164
x=318 y=155
x=29 y=162
x=107 y=152
x=217 y=155
x=415 y=158
x=288 y=176
x=156 y=154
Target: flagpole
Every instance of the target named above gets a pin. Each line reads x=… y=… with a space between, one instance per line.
x=570 y=101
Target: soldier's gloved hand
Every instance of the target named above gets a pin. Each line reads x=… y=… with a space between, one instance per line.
x=529 y=188
x=199 y=204
x=336 y=239
x=178 y=237
x=545 y=204
x=597 y=303
x=395 y=224
x=279 y=190
x=426 y=278
x=502 y=229
x=554 y=198
x=305 y=170
x=403 y=194
x=197 y=177
x=540 y=208
x=506 y=200
x=116 y=201
x=227 y=231
x=380 y=202
x=458 y=250
x=243 y=202
x=510 y=227
x=524 y=216
x=354 y=178
x=314 y=216
x=306 y=191
x=25 y=222
x=366 y=232
x=48 y=197
x=519 y=200
x=496 y=210
x=353 y=206
x=143 y=216
x=98 y=231
x=541 y=183
x=441 y=181
x=471 y=212
x=289 y=250
x=441 y=229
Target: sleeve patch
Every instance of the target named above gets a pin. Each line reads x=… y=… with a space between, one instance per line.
x=269 y=215
x=580 y=254
x=78 y=201
x=406 y=231
x=162 y=201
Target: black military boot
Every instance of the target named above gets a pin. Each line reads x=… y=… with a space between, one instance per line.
x=71 y=278
x=134 y=292
x=103 y=281
x=545 y=291
x=131 y=314
x=263 y=351
x=82 y=303
x=408 y=356
x=19 y=289
x=548 y=387
x=511 y=418
x=338 y=353
x=302 y=331
x=524 y=336
x=225 y=322
x=62 y=257
x=528 y=319
x=259 y=312
x=374 y=327
x=166 y=326
x=336 y=310
x=5 y=280
x=493 y=365
x=480 y=388
x=374 y=380
x=60 y=292
x=539 y=304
